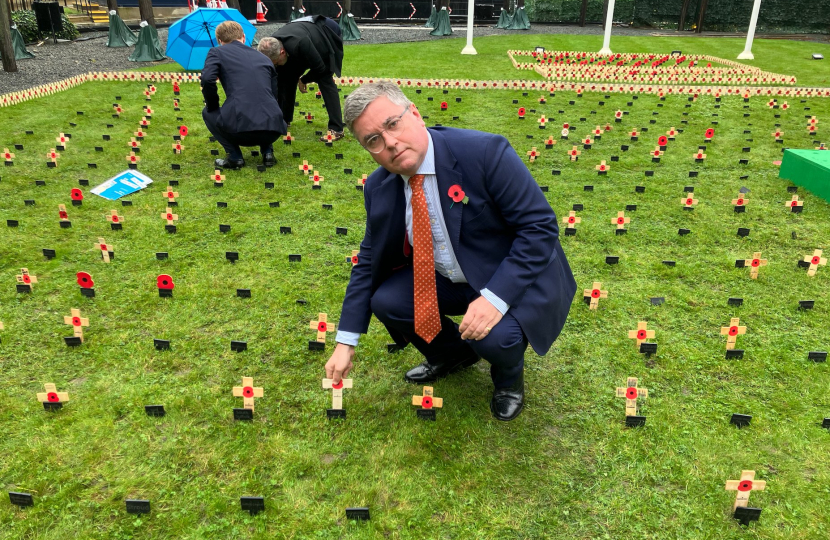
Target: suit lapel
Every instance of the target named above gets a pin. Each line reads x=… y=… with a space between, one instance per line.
x=447 y=177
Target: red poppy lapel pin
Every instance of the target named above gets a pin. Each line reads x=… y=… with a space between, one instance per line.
x=457 y=195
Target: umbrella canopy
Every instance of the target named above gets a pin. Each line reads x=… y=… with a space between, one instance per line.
x=191 y=37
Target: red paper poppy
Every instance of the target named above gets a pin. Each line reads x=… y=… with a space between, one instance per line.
x=571 y=219
x=169 y=217
x=164 y=282
x=663 y=140
x=85 y=280
x=183 y=131
x=756 y=262
x=602 y=167
x=76 y=194
x=52 y=397
x=631 y=393
x=76 y=321
x=733 y=330
x=63 y=214
x=103 y=247
x=740 y=202
x=115 y=219
x=620 y=221
x=566 y=125
x=456 y=193
x=322 y=326
x=656 y=153
x=618 y=114
x=443 y=105
x=247 y=391
x=745 y=485
x=595 y=293
x=815 y=260
x=354 y=259
x=337 y=386
x=794 y=203
x=689 y=202
x=521 y=111
x=641 y=334
x=426 y=403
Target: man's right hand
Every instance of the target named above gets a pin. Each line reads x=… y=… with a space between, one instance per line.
x=340 y=363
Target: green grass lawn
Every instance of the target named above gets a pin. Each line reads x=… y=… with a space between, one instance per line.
x=566 y=468
x=442 y=58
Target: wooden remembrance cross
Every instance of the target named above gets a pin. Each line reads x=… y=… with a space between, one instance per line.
x=322 y=326
x=77 y=323
x=52 y=395
x=815 y=261
x=641 y=333
x=746 y=485
x=732 y=331
x=336 y=391
x=595 y=293
x=247 y=392
x=631 y=393
x=755 y=263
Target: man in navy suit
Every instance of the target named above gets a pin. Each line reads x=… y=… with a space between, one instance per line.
x=250 y=115
x=480 y=226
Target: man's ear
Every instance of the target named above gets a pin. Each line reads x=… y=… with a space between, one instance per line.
x=417 y=114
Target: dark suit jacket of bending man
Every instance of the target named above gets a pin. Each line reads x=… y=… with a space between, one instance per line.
x=250 y=84
x=506 y=238
x=313 y=46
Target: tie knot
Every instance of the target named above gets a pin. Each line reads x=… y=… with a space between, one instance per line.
x=416 y=181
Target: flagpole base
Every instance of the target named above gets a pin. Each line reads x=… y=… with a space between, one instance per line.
x=746 y=55
x=469 y=49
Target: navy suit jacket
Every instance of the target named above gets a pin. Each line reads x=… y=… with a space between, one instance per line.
x=506 y=238
x=250 y=83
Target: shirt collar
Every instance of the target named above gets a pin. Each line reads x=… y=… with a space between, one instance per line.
x=428 y=165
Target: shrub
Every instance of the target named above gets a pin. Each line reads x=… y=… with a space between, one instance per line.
x=27 y=24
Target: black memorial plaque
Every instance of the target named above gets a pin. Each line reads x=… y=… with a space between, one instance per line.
x=635 y=421
x=239 y=346
x=155 y=410
x=740 y=420
x=253 y=505
x=137 y=506
x=243 y=414
x=357 y=513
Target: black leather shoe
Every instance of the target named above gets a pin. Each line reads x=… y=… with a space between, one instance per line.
x=268 y=159
x=508 y=402
x=227 y=163
x=427 y=372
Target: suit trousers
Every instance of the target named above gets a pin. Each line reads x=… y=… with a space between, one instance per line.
x=331 y=100
x=231 y=142
x=504 y=347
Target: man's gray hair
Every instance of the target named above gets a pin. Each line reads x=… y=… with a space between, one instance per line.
x=270 y=47
x=358 y=100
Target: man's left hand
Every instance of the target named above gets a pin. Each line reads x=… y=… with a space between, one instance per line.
x=303 y=88
x=480 y=318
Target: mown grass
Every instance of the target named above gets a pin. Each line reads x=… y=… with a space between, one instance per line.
x=441 y=58
x=566 y=468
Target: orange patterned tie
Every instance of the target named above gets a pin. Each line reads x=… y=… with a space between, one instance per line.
x=427 y=318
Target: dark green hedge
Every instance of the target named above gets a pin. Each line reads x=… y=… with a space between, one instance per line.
x=807 y=16
x=27 y=24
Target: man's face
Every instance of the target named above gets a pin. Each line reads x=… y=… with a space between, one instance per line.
x=401 y=154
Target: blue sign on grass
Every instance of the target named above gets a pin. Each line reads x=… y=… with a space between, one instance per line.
x=122 y=184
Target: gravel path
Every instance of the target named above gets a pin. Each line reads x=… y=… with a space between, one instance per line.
x=89 y=52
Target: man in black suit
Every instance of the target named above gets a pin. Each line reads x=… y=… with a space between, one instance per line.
x=308 y=50
x=250 y=115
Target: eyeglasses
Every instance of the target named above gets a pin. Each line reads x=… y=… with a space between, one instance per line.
x=375 y=143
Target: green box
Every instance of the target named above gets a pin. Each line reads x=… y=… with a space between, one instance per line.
x=809 y=169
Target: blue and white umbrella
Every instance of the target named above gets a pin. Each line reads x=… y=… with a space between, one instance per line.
x=191 y=37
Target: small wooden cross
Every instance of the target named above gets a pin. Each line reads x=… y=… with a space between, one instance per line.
x=322 y=326
x=177 y=147
x=148 y=111
x=542 y=121
x=620 y=221
x=309 y=117
x=671 y=133
x=353 y=259
x=777 y=134
x=597 y=132
x=640 y=334
x=812 y=121
x=77 y=323
x=218 y=177
x=62 y=213
x=532 y=154
x=771 y=103
x=170 y=195
x=336 y=391
x=316 y=178
x=755 y=263
x=134 y=143
x=305 y=167
x=52 y=156
x=61 y=140
x=574 y=153
x=329 y=136
x=550 y=141
x=657 y=152
x=247 y=392
x=288 y=137
x=8 y=156
x=794 y=203
x=571 y=220
x=618 y=114
x=362 y=180
x=602 y=167
x=631 y=393
x=746 y=485
x=140 y=134
x=700 y=155
x=25 y=278
x=132 y=158
x=595 y=293
x=428 y=399
x=815 y=261
x=587 y=141
x=740 y=201
x=634 y=134
x=105 y=249
x=689 y=200
x=170 y=216
x=52 y=395
x=118 y=109
x=784 y=106
x=732 y=332
x=144 y=122
x=115 y=218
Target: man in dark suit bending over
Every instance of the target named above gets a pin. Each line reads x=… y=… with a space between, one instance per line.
x=250 y=115
x=308 y=50
x=455 y=225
